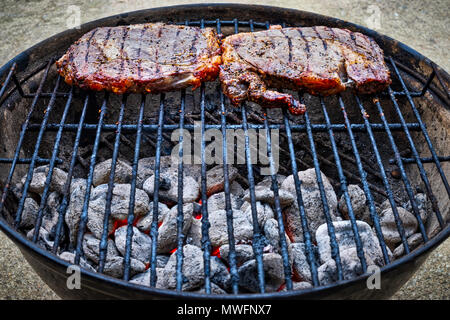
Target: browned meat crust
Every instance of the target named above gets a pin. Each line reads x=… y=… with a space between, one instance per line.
x=152 y=57
x=319 y=60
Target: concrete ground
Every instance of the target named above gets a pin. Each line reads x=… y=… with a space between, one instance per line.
x=423 y=25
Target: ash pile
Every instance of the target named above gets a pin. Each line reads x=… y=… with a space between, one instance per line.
x=193 y=264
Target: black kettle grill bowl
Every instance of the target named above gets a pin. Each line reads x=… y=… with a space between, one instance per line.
x=420 y=76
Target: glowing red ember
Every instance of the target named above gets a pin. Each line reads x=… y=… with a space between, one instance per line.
x=120 y=223
x=198 y=216
x=216 y=252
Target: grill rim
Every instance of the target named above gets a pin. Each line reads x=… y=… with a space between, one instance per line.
x=24 y=57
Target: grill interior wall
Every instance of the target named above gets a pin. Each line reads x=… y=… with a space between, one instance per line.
x=437 y=120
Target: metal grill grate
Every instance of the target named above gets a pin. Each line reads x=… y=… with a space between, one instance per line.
x=287 y=125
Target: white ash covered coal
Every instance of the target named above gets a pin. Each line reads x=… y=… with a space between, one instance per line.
x=167 y=232
x=264 y=212
x=193 y=229
x=141 y=244
x=350 y=261
x=119 y=206
x=389 y=226
x=168 y=186
x=299 y=262
x=273 y=273
x=114 y=263
x=345 y=240
x=218 y=234
x=264 y=192
x=216 y=202
x=414 y=241
x=37 y=183
x=145 y=223
x=102 y=171
x=215 y=179
x=358 y=202
x=312 y=203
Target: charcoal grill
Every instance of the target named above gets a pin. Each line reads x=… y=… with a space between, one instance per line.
x=412 y=112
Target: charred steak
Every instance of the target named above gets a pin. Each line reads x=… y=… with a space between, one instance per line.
x=319 y=60
x=152 y=57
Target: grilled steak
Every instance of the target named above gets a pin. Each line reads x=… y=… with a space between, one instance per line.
x=152 y=57
x=319 y=60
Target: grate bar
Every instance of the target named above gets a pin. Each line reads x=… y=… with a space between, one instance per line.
x=236 y=23
x=404 y=177
x=50 y=171
x=228 y=208
x=84 y=214
x=206 y=243
x=38 y=160
x=230 y=229
x=109 y=194
x=180 y=215
x=344 y=189
x=32 y=165
x=326 y=162
x=331 y=231
x=65 y=94
x=19 y=87
x=130 y=217
x=170 y=127
x=281 y=230
x=425 y=87
x=383 y=174
x=303 y=218
x=422 y=160
x=365 y=184
x=66 y=191
x=140 y=129
x=257 y=237
x=43 y=94
x=154 y=226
